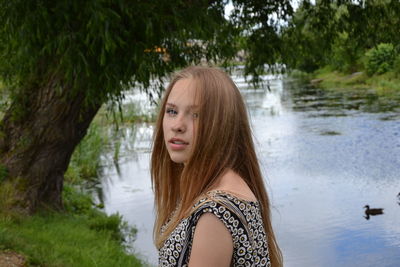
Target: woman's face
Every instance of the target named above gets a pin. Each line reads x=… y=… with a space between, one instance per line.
x=180 y=120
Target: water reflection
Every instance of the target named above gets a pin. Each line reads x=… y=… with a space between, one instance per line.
x=324 y=154
x=309 y=98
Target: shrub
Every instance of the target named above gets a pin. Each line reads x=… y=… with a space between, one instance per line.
x=379 y=59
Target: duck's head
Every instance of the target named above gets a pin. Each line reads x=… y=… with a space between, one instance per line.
x=366 y=207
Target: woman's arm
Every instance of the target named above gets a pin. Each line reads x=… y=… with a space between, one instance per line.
x=212 y=243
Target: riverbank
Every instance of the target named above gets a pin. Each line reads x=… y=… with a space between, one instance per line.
x=82 y=235
x=65 y=239
x=384 y=84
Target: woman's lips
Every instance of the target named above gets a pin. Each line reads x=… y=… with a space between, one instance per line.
x=177 y=144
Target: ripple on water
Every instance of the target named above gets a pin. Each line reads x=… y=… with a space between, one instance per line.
x=324 y=156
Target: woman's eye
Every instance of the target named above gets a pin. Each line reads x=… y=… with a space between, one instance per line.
x=171 y=111
x=195 y=115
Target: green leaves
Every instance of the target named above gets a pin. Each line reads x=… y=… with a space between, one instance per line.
x=102 y=46
x=380 y=59
x=338 y=33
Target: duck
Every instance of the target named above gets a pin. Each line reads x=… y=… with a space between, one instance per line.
x=369 y=211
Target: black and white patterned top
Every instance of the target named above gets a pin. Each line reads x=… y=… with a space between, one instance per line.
x=243 y=220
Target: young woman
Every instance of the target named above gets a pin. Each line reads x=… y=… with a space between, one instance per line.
x=212 y=208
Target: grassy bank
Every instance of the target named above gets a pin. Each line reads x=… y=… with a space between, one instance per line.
x=82 y=235
x=56 y=239
x=384 y=84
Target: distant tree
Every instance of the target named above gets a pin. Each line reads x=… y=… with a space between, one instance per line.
x=338 y=32
x=61 y=60
x=309 y=35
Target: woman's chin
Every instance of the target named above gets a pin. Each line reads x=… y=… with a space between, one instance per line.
x=178 y=159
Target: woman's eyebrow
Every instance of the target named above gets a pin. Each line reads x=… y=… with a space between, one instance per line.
x=189 y=107
x=172 y=105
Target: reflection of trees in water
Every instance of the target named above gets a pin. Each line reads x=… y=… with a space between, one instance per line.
x=126 y=144
x=307 y=97
x=305 y=155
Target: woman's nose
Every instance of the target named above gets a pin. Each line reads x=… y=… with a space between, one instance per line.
x=179 y=125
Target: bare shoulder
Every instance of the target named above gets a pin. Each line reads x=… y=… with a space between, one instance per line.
x=212 y=243
x=232 y=183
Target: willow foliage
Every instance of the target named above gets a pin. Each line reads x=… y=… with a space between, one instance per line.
x=102 y=46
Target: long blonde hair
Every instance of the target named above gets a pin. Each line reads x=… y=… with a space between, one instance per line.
x=223 y=141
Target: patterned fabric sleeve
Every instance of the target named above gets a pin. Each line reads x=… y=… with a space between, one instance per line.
x=242 y=219
x=229 y=218
x=247 y=251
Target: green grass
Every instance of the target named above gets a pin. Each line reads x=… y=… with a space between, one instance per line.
x=85 y=161
x=63 y=240
x=82 y=235
x=384 y=84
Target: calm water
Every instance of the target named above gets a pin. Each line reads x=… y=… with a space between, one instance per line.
x=324 y=156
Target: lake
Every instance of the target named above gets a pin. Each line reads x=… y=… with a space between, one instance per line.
x=325 y=154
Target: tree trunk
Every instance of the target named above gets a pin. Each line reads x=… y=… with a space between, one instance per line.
x=36 y=147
